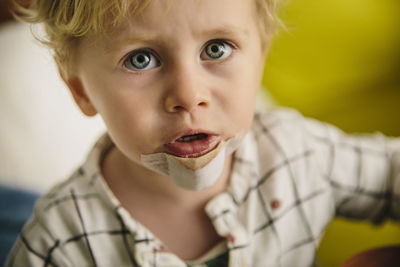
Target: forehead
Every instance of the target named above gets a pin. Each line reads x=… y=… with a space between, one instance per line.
x=179 y=17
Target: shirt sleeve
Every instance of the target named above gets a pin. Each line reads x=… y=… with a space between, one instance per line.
x=362 y=170
x=35 y=247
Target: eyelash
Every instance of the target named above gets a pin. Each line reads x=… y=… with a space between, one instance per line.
x=228 y=48
x=145 y=53
x=148 y=57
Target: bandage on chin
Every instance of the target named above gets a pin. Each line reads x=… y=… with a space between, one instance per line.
x=193 y=173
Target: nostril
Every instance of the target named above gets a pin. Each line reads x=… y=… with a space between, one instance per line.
x=189 y=107
x=203 y=104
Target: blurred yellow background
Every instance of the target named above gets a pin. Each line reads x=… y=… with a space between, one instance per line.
x=339 y=61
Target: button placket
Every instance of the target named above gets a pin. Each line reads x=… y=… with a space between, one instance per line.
x=223 y=213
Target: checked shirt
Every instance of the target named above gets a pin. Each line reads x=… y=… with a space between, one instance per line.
x=290 y=177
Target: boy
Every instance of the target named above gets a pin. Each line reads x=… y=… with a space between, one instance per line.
x=187 y=174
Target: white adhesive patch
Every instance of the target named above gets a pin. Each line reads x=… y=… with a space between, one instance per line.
x=193 y=173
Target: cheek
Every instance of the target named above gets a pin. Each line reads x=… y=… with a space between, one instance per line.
x=131 y=130
x=238 y=106
x=243 y=96
x=121 y=101
x=130 y=120
x=245 y=113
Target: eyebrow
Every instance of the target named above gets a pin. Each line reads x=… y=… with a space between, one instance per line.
x=226 y=30
x=222 y=30
x=116 y=44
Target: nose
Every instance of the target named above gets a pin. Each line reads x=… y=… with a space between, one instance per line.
x=186 y=92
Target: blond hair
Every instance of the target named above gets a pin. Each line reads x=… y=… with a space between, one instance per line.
x=67 y=21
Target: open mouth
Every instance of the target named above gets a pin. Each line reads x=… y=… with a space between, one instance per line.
x=192 y=145
x=191 y=138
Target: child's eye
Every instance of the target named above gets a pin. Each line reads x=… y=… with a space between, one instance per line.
x=216 y=50
x=141 y=60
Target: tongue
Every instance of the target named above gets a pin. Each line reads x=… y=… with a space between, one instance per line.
x=190 y=138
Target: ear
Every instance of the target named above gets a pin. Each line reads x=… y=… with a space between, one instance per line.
x=266 y=45
x=78 y=92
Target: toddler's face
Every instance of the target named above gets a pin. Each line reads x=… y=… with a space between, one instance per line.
x=191 y=70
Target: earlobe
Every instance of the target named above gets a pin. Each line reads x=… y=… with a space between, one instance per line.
x=78 y=92
x=80 y=96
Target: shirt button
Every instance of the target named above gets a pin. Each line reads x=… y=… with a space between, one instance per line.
x=275 y=204
x=230 y=238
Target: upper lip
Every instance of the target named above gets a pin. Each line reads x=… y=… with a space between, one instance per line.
x=188 y=132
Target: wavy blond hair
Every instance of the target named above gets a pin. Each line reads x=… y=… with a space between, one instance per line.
x=67 y=21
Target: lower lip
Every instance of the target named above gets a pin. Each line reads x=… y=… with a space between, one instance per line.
x=193 y=149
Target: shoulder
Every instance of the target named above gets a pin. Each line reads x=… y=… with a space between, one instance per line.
x=83 y=185
x=276 y=115
x=69 y=207
x=282 y=126
x=285 y=134
x=56 y=212
x=53 y=219
x=83 y=196
x=62 y=220
x=286 y=123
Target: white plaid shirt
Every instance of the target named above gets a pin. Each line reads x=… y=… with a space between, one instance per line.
x=290 y=177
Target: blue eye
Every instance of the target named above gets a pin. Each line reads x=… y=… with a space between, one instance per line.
x=216 y=50
x=141 y=60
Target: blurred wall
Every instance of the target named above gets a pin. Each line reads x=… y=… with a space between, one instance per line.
x=339 y=61
x=44 y=136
